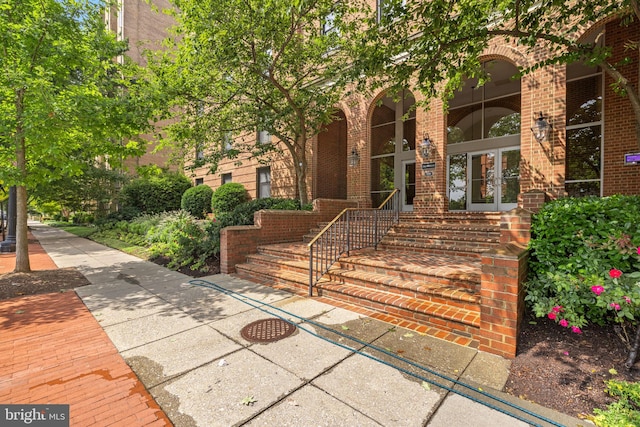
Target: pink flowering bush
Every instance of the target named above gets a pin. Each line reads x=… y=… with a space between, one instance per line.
x=612 y=296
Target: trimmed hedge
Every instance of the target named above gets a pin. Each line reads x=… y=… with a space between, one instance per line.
x=197 y=201
x=227 y=197
x=566 y=230
x=575 y=244
x=155 y=194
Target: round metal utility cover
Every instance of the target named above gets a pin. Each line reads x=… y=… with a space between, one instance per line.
x=267 y=330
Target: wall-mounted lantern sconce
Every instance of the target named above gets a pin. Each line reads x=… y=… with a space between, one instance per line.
x=541 y=128
x=426 y=146
x=354 y=158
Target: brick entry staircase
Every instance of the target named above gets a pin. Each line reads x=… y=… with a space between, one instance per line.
x=424 y=275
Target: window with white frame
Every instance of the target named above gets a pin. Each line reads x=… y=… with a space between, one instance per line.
x=228 y=141
x=328 y=24
x=264 y=137
x=388 y=8
x=583 y=164
x=263 y=178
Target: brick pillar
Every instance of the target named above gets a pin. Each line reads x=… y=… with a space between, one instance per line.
x=534 y=199
x=235 y=243
x=504 y=271
x=515 y=227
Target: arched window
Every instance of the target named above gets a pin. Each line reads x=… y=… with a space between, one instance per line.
x=393 y=144
x=483 y=141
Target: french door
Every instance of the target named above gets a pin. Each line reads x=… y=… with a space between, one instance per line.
x=487 y=180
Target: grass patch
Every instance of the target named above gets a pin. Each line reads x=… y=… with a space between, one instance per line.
x=138 y=251
x=76 y=229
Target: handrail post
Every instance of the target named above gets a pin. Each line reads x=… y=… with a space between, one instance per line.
x=348 y=233
x=311 y=270
x=341 y=232
x=375 y=228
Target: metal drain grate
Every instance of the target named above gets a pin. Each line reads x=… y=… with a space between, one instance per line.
x=267 y=330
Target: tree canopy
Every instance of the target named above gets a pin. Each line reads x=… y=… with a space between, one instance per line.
x=436 y=44
x=239 y=67
x=63 y=97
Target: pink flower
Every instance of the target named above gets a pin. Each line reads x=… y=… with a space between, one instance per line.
x=576 y=330
x=551 y=316
x=557 y=309
x=564 y=323
x=638 y=250
x=627 y=299
x=614 y=273
x=615 y=306
x=597 y=289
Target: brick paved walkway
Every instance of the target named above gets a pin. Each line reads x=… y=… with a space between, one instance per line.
x=52 y=350
x=38 y=258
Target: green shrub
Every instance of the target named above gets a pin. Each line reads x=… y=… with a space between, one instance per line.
x=82 y=218
x=228 y=196
x=179 y=237
x=243 y=215
x=155 y=194
x=142 y=224
x=197 y=201
x=575 y=245
x=126 y=213
x=623 y=413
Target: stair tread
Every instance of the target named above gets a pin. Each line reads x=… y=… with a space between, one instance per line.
x=443 y=266
x=463 y=315
x=448 y=291
x=425 y=287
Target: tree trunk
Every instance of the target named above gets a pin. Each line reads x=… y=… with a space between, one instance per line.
x=301 y=171
x=633 y=354
x=22 y=240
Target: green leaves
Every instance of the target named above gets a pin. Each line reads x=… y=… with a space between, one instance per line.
x=242 y=67
x=61 y=90
x=585 y=259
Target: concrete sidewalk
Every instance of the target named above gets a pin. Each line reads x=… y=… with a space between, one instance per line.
x=184 y=343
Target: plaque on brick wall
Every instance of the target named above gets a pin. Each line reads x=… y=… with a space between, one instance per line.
x=632 y=159
x=428 y=165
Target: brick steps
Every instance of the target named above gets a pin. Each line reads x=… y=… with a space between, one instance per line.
x=472 y=236
x=423 y=289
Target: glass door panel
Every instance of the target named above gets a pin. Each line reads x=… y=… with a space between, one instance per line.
x=382 y=179
x=458 y=182
x=482 y=169
x=510 y=174
x=409 y=187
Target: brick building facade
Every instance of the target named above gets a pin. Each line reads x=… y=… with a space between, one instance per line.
x=484 y=156
x=144 y=27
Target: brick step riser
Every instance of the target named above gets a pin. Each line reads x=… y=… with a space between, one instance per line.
x=435 y=250
x=440 y=241
x=452 y=220
x=416 y=277
x=403 y=313
x=423 y=296
x=346 y=265
x=462 y=237
x=446 y=233
x=364 y=283
x=278 y=263
x=266 y=279
x=289 y=255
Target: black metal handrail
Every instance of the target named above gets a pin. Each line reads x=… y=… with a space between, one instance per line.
x=352 y=229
